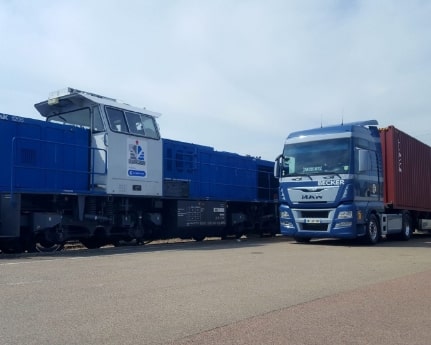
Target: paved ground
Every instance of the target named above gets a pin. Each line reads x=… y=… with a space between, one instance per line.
x=393 y=312
x=269 y=291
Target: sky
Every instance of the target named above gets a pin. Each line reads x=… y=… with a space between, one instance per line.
x=239 y=75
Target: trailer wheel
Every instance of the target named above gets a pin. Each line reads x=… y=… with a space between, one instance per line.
x=372 y=234
x=407 y=228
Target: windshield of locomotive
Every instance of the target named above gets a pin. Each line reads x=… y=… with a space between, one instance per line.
x=317 y=157
x=80 y=117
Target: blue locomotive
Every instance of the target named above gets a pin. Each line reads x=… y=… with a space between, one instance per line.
x=99 y=172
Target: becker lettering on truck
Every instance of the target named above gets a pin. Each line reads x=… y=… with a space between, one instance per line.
x=331 y=182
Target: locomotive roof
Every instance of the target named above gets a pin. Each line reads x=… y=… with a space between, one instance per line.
x=70 y=98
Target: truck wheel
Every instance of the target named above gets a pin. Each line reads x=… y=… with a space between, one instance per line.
x=372 y=234
x=407 y=228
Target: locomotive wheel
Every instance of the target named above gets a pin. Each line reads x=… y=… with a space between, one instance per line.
x=124 y=242
x=198 y=237
x=43 y=245
x=92 y=243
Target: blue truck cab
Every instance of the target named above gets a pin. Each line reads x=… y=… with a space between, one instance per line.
x=330 y=178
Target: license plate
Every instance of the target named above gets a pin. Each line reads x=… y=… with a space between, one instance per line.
x=312 y=221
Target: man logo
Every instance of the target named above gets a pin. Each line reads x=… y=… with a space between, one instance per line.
x=312 y=197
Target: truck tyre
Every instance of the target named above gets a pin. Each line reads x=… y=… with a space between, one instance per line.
x=407 y=228
x=372 y=233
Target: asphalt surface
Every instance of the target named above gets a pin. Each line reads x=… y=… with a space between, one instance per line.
x=393 y=312
x=258 y=291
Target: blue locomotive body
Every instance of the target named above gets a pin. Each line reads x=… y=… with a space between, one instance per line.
x=41 y=156
x=200 y=172
x=99 y=172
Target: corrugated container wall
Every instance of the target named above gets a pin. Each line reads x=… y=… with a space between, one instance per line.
x=407 y=171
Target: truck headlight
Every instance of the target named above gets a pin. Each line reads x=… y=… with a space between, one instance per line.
x=287 y=224
x=345 y=215
x=343 y=225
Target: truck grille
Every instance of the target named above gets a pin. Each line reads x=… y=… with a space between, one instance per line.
x=322 y=216
x=315 y=214
x=315 y=227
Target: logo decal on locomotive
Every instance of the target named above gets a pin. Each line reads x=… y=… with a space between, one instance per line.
x=136 y=162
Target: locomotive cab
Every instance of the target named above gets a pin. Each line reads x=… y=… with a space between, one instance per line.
x=125 y=144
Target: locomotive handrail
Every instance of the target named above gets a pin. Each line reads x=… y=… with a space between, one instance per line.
x=105 y=160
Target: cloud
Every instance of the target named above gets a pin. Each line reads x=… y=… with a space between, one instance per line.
x=238 y=76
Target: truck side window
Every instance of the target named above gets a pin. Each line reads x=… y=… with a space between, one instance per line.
x=366 y=161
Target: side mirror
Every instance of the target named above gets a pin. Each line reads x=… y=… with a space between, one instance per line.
x=277 y=165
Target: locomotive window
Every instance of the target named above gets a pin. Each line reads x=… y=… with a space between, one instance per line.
x=97 y=121
x=116 y=120
x=130 y=122
x=141 y=124
x=135 y=123
x=80 y=117
x=150 y=127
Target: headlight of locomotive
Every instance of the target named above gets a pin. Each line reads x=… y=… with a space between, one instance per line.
x=345 y=215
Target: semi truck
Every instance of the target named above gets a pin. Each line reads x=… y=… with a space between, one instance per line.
x=353 y=180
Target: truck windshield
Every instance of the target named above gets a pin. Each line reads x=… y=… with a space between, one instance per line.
x=317 y=157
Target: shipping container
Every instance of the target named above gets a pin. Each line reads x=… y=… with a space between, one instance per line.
x=407 y=171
